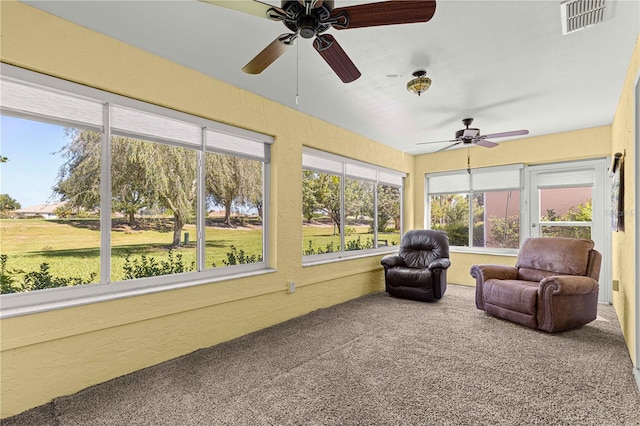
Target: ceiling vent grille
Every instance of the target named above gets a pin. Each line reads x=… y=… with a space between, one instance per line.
x=580 y=14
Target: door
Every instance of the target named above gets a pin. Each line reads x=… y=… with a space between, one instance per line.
x=570 y=200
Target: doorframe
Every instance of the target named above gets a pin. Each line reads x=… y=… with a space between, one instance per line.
x=636 y=370
x=600 y=167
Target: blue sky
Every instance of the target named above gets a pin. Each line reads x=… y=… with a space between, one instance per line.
x=33 y=165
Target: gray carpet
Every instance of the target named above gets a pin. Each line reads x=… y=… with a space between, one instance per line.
x=377 y=361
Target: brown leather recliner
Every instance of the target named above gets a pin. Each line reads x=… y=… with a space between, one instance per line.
x=553 y=287
x=419 y=270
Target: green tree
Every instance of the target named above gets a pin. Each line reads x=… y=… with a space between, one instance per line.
x=8 y=203
x=388 y=207
x=326 y=193
x=233 y=181
x=143 y=174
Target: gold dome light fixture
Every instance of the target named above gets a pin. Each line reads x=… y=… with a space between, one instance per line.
x=420 y=83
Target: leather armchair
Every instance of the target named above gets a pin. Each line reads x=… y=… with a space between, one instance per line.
x=553 y=286
x=419 y=270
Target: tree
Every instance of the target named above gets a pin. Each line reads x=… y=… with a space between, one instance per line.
x=143 y=174
x=78 y=180
x=325 y=190
x=171 y=173
x=8 y=203
x=388 y=207
x=232 y=181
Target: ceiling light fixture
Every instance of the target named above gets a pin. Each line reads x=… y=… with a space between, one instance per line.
x=420 y=83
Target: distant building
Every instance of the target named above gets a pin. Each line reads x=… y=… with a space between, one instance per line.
x=39 y=210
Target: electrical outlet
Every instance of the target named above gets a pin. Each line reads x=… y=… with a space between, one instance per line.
x=616 y=285
x=292 y=287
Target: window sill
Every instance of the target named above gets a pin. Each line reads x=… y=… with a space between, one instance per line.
x=321 y=259
x=18 y=304
x=487 y=251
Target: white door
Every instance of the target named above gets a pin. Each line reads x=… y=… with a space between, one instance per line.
x=572 y=200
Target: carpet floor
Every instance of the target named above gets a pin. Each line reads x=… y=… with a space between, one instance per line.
x=377 y=360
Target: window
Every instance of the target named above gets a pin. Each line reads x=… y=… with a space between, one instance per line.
x=347 y=206
x=477 y=209
x=98 y=188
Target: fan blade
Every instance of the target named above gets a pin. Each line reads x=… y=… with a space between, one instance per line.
x=332 y=53
x=257 y=8
x=427 y=143
x=505 y=134
x=383 y=13
x=447 y=147
x=269 y=54
x=485 y=143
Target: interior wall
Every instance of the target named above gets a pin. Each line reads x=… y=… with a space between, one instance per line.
x=624 y=249
x=559 y=147
x=59 y=352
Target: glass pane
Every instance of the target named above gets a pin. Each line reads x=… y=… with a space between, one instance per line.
x=450 y=213
x=388 y=215
x=565 y=204
x=153 y=209
x=233 y=222
x=50 y=177
x=358 y=211
x=566 y=231
x=496 y=219
x=320 y=213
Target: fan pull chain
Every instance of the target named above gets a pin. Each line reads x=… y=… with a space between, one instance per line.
x=469 y=160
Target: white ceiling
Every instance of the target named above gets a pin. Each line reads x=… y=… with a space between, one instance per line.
x=504 y=63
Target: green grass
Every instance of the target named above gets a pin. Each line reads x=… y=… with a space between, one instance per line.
x=72 y=247
x=321 y=236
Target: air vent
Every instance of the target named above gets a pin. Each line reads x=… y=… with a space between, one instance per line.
x=580 y=14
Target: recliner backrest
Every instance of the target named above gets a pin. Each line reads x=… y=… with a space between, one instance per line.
x=546 y=256
x=420 y=247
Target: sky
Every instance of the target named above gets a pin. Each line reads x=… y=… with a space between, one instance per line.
x=32 y=149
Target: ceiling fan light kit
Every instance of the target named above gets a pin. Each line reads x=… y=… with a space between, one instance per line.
x=420 y=83
x=311 y=18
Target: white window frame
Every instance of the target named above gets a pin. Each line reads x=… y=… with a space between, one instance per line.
x=462 y=182
x=44 y=300
x=324 y=162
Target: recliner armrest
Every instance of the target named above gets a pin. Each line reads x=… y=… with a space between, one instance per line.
x=483 y=273
x=391 y=260
x=498 y=272
x=441 y=263
x=567 y=285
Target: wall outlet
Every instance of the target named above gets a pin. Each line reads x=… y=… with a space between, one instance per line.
x=616 y=285
x=292 y=287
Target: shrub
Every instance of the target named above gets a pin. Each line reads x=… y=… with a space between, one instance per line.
x=149 y=267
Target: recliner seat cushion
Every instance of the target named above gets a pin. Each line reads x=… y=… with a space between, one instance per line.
x=408 y=277
x=514 y=295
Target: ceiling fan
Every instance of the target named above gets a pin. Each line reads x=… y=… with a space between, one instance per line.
x=472 y=136
x=311 y=18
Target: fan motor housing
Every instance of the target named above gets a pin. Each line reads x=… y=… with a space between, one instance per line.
x=310 y=25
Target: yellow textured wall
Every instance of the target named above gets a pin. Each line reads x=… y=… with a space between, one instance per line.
x=59 y=352
x=623 y=140
x=567 y=146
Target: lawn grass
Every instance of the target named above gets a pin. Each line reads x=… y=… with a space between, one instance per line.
x=72 y=247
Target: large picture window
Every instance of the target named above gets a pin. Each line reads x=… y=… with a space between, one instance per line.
x=347 y=206
x=477 y=209
x=101 y=189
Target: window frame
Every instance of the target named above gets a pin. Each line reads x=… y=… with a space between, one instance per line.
x=347 y=168
x=23 y=303
x=463 y=183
